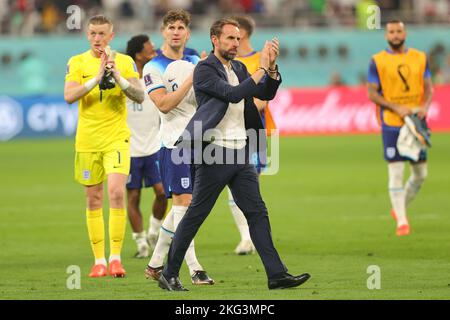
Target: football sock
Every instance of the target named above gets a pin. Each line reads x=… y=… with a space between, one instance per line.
x=117 y=224
x=190 y=257
x=140 y=239
x=178 y=214
x=418 y=175
x=100 y=261
x=164 y=240
x=114 y=257
x=96 y=231
x=396 y=191
x=154 y=227
x=239 y=218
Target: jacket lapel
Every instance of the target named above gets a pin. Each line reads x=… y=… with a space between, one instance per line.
x=238 y=71
x=219 y=66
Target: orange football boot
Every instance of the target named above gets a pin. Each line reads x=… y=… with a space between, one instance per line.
x=98 y=270
x=116 y=270
x=403 y=230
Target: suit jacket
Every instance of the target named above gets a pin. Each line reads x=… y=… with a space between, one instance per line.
x=214 y=94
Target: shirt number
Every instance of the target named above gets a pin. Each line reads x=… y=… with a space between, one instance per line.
x=137 y=106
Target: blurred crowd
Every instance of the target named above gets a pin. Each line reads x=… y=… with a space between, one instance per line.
x=439 y=62
x=31 y=17
x=28 y=17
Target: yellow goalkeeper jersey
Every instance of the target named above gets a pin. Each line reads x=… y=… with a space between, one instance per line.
x=102 y=125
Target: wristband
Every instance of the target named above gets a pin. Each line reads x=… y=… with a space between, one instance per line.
x=265 y=70
x=123 y=83
x=273 y=70
x=90 y=84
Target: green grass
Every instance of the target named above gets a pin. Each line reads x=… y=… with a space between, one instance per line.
x=329 y=211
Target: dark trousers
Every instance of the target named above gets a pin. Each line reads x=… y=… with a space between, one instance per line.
x=209 y=181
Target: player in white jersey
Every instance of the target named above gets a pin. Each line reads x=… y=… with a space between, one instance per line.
x=170 y=93
x=143 y=121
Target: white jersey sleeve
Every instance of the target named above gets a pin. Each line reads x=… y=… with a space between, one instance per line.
x=144 y=123
x=153 y=76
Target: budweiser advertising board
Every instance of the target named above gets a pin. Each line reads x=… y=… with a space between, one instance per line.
x=343 y=110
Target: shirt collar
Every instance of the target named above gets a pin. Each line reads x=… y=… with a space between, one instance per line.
x=388 y=50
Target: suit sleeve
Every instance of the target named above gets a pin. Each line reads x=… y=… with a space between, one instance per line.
x=207 y=79
x=267 y=88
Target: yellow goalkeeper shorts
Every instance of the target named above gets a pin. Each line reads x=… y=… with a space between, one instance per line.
x=92 y=168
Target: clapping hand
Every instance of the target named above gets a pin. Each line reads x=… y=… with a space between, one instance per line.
x=103 y=61
x=274 y=51
x=111 y=66
x=264 y=58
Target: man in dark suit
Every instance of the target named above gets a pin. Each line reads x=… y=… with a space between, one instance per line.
x=224 y=91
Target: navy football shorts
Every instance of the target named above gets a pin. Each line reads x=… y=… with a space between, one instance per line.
x=390 y=137
x=176 y=178
x=144 y=169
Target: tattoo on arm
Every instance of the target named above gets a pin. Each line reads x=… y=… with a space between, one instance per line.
x=135 y=92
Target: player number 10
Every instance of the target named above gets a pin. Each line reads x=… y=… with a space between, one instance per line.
x=137 y=107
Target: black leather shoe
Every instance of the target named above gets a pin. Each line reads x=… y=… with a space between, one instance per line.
x=288 y=281
x=172 y=284
x=200 y=277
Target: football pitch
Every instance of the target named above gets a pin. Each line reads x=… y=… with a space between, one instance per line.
x=329 y=211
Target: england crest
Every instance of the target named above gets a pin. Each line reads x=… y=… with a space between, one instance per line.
x=185 y=183
x=86 y=174
x=390 y=152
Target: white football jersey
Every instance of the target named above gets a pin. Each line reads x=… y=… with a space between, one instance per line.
x=144 y=122
x=175 y=121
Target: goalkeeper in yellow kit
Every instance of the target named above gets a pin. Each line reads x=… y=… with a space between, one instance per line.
x=102 y=141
